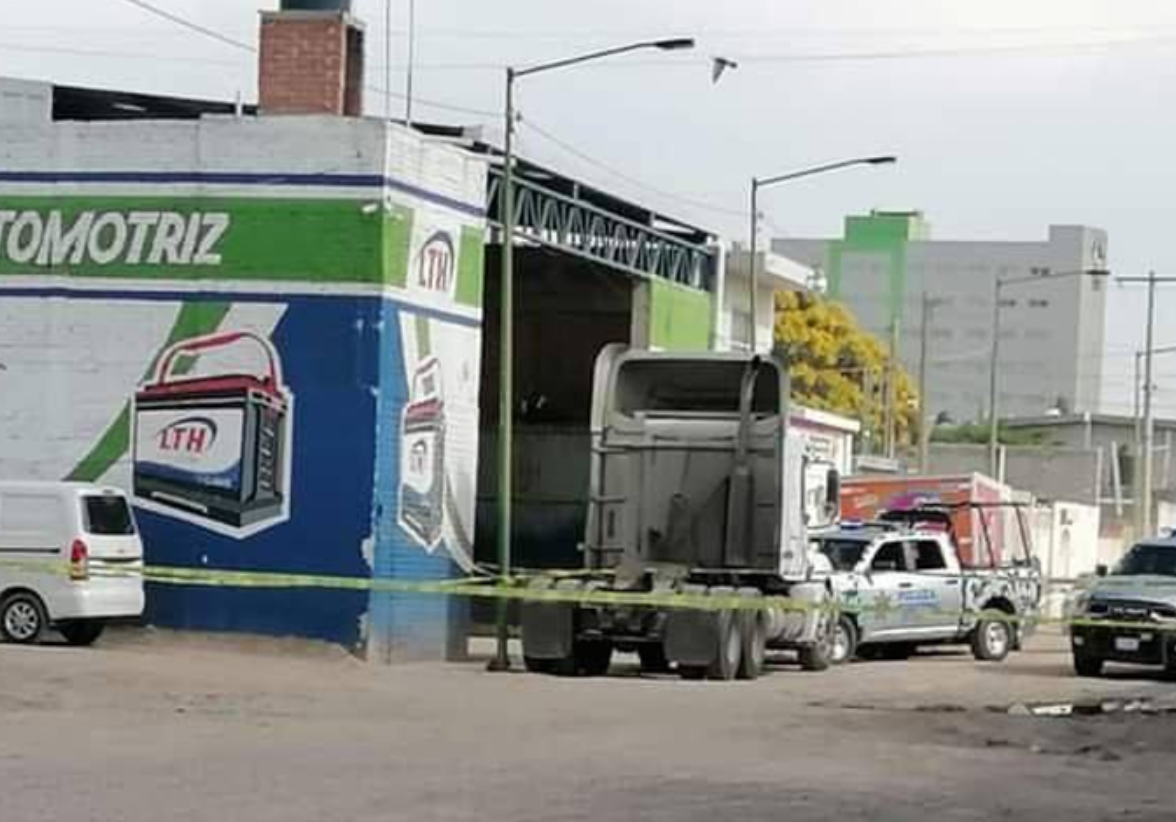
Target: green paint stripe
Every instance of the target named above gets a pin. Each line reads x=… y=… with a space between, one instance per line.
x=193 y=320
x=471 y=266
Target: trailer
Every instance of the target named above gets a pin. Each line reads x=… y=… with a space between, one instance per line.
x=696 y=487
x=982 y=533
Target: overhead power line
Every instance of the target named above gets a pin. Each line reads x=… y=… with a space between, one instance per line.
x=249 y=47
x=150 y=8
x=633 y=181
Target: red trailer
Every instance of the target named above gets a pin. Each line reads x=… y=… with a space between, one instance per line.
x=984 y=535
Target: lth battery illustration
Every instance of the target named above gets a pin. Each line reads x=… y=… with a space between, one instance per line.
x=422 y=456
x=213 y=446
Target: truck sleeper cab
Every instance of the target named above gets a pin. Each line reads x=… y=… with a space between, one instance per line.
x=695 y=487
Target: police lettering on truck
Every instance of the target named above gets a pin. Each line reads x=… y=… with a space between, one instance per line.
x=54 y=238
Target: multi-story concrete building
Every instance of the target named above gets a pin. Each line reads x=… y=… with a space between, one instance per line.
x=1051 y=326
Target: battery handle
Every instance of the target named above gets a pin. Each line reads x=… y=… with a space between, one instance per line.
x=211 y=341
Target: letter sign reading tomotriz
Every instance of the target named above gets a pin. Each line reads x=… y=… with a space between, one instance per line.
x=111 y=237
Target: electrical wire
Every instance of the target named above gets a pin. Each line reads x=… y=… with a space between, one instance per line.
x=637 y=183
x=151 y=8
x=216 y=35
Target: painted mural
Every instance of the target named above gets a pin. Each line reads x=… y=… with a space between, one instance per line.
x=283 y=385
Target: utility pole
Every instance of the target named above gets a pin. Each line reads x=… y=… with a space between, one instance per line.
x=1147 y=478
x=993 y=395
x=1148 y=427
x=890 y=435
x=925 y=423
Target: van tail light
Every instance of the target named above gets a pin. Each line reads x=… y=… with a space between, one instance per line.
x=79 y=561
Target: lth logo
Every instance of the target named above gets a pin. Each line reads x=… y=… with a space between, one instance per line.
x=191 y=435
x=435 y=264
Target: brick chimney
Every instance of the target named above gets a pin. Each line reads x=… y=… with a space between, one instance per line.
x=311 y=60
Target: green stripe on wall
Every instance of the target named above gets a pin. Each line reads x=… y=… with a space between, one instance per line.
x=327 y=241
x=679 y=318
x=471 y=266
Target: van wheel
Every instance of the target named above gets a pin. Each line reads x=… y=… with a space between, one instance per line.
x=22 y=618
x=81 y=634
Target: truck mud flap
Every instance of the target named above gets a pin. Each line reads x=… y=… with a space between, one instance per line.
x=548 y=630
x=691 y=637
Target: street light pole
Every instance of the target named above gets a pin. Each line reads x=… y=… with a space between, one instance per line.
x=1137 y=478
x=994 y=356
x=501 y=660
x=762 y=182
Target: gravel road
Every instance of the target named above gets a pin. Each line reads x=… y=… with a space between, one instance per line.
x=157 y=726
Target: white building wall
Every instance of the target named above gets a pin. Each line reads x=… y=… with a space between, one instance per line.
x=1052 y=331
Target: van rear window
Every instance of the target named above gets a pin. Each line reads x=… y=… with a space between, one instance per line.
x=108 y=516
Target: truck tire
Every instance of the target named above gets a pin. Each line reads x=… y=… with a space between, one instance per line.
x=1087 y=665
x=692 y=672
x=653 y=658
x=593 y=657
x=845 y=639
x=730 y=647
x=755 y=645
x=992 y=639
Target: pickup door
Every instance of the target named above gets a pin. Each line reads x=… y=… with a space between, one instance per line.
x=909 y=590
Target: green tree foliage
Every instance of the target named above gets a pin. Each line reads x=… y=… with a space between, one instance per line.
x=837 y=366
x=974 y=433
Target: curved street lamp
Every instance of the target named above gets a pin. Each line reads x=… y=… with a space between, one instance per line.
x=763 y=182
x=501 y=661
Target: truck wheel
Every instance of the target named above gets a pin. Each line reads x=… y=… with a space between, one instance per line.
x=991 y=640
x=730 y=647
x=22 y=618
x=81 y=634
x=593 y=657
x=536 y=665
x=653 y=658
x=844 y=644
x=755 y=645
x=1087 y=665
x=693 y=672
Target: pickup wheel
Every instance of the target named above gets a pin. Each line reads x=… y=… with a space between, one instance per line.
x=992 y=640
x=845 y=639
x=1087 y=665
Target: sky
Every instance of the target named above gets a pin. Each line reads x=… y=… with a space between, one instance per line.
x=1007 y=115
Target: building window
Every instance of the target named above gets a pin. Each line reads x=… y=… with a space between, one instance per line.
x=1039 y=303
x=1039 y=271
x=1008 y=302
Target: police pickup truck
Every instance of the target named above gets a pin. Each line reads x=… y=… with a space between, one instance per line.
x=1129 y=615
x=901 y=585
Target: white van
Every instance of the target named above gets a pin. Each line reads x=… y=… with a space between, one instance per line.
x=70 y=558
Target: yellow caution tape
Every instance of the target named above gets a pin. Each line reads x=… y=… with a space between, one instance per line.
x=557 y=590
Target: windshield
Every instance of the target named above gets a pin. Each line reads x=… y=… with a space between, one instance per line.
x=843 y=554
x=1148 y=559
x=108 y=516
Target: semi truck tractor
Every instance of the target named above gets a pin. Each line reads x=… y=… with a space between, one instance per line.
x=696 y=491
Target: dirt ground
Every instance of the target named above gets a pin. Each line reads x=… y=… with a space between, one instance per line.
x=156 y=726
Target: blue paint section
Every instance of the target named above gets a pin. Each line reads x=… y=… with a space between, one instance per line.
x=329 y=352
x=401 y=624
